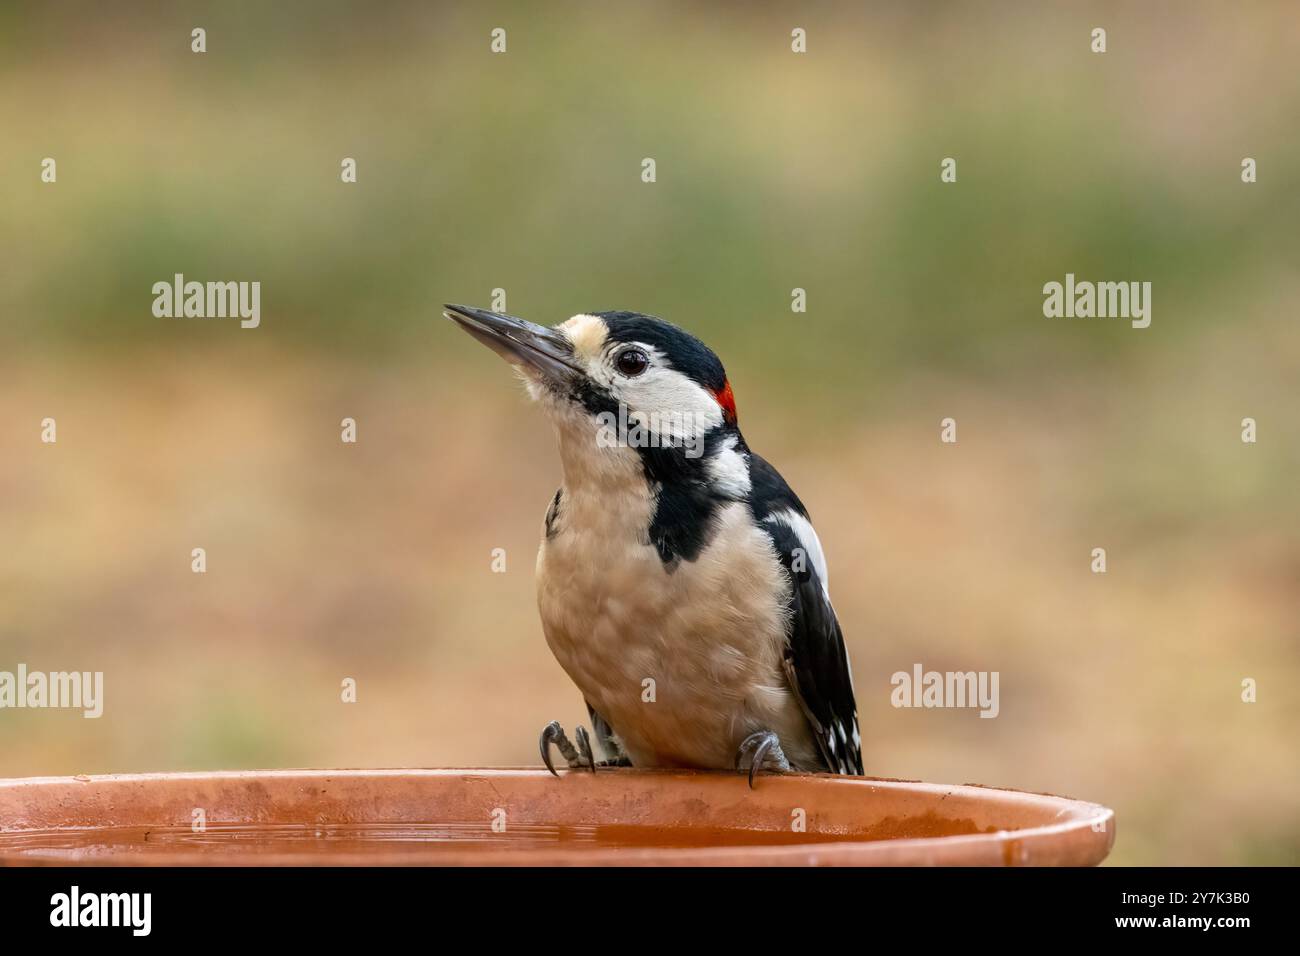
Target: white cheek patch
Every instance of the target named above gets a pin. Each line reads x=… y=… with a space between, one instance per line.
x=662 y=400
x=665 y=400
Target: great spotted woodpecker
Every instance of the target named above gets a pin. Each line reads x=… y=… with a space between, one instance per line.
x=680 y=582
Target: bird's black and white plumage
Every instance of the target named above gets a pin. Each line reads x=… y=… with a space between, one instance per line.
x=680 y=582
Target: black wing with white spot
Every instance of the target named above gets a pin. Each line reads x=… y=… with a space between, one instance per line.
x=816 y=661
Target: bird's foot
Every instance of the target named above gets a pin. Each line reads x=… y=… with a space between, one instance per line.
x=576 y=757
x=766 y=754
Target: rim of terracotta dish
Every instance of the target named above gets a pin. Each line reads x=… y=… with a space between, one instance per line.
x=1066 y=832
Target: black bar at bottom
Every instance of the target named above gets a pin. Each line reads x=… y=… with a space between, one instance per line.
x=305 y=905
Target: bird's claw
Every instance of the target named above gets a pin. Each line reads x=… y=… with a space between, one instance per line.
x=584 y=747
x=576 y=757
x=767 y=750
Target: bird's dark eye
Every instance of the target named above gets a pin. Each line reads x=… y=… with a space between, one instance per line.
x=632 y=362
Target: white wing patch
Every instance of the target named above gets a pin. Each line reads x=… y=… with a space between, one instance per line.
x=808 y=540
x=803 y=530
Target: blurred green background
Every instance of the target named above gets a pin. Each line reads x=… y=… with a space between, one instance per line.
x=522 y=171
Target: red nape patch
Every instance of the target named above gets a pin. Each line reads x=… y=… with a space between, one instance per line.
x=727 y=401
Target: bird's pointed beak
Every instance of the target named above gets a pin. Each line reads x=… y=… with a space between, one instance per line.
x=535 y=349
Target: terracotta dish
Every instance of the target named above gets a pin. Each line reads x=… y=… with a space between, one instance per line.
x=527 y=817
